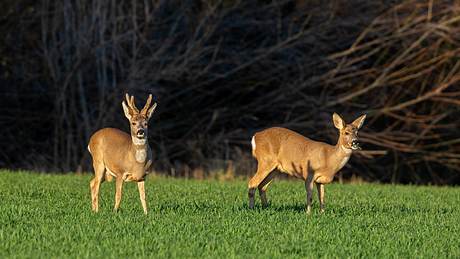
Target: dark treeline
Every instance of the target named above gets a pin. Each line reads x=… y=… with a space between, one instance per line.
x=221 y=70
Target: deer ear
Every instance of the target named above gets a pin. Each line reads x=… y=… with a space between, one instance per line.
x=126 y=110
x=151 y=110
x=358 y=123
x=338 y=121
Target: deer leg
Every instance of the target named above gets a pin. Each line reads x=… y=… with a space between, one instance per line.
x=323 y=179
x=263 y=170
x=141 y=187
x=309 y=189
x=320 y=188
x=95 y=185
x=118 y=191
x=263 y=186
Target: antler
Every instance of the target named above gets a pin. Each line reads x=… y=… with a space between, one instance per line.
x=147 y=105
x=131 y=104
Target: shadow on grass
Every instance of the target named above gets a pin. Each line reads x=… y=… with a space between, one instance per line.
x=286 y=208
x=331 y=209
x=340 y=210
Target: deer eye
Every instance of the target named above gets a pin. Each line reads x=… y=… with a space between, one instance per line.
x=347 y=133
x=133 y=123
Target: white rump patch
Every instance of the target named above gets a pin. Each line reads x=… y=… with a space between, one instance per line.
x=253 y=143
x=89 y=149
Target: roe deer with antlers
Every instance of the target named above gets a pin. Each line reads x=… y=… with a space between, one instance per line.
x=120 y=155
x=293 y=154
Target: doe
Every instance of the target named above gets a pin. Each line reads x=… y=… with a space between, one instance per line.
x=293 y=154
x=120 y=155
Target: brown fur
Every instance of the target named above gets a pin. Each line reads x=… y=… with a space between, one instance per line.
x=301 y=157
x=116 y=154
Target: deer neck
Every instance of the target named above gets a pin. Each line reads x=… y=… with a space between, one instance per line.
x=139 y=148
x=341 y=154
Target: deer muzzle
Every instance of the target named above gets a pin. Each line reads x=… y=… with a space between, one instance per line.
x=140 y=133
x=355 y=145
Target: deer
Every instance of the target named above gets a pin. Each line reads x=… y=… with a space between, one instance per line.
x=293 y=154
x=125 y=157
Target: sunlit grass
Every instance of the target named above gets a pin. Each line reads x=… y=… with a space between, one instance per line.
x=49 y=216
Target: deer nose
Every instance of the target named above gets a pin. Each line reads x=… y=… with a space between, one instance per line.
x=355 y=144
x=141 y=132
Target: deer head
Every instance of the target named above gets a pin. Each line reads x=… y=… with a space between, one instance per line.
x=348 y=137
x=138 y=120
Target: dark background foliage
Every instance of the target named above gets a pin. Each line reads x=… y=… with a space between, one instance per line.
x=221 y=70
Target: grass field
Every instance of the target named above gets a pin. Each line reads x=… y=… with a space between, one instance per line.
x=49 y=216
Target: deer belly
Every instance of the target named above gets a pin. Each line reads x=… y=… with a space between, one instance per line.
x=292 y=169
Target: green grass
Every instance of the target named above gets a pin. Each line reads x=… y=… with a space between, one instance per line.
x=49 y=216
